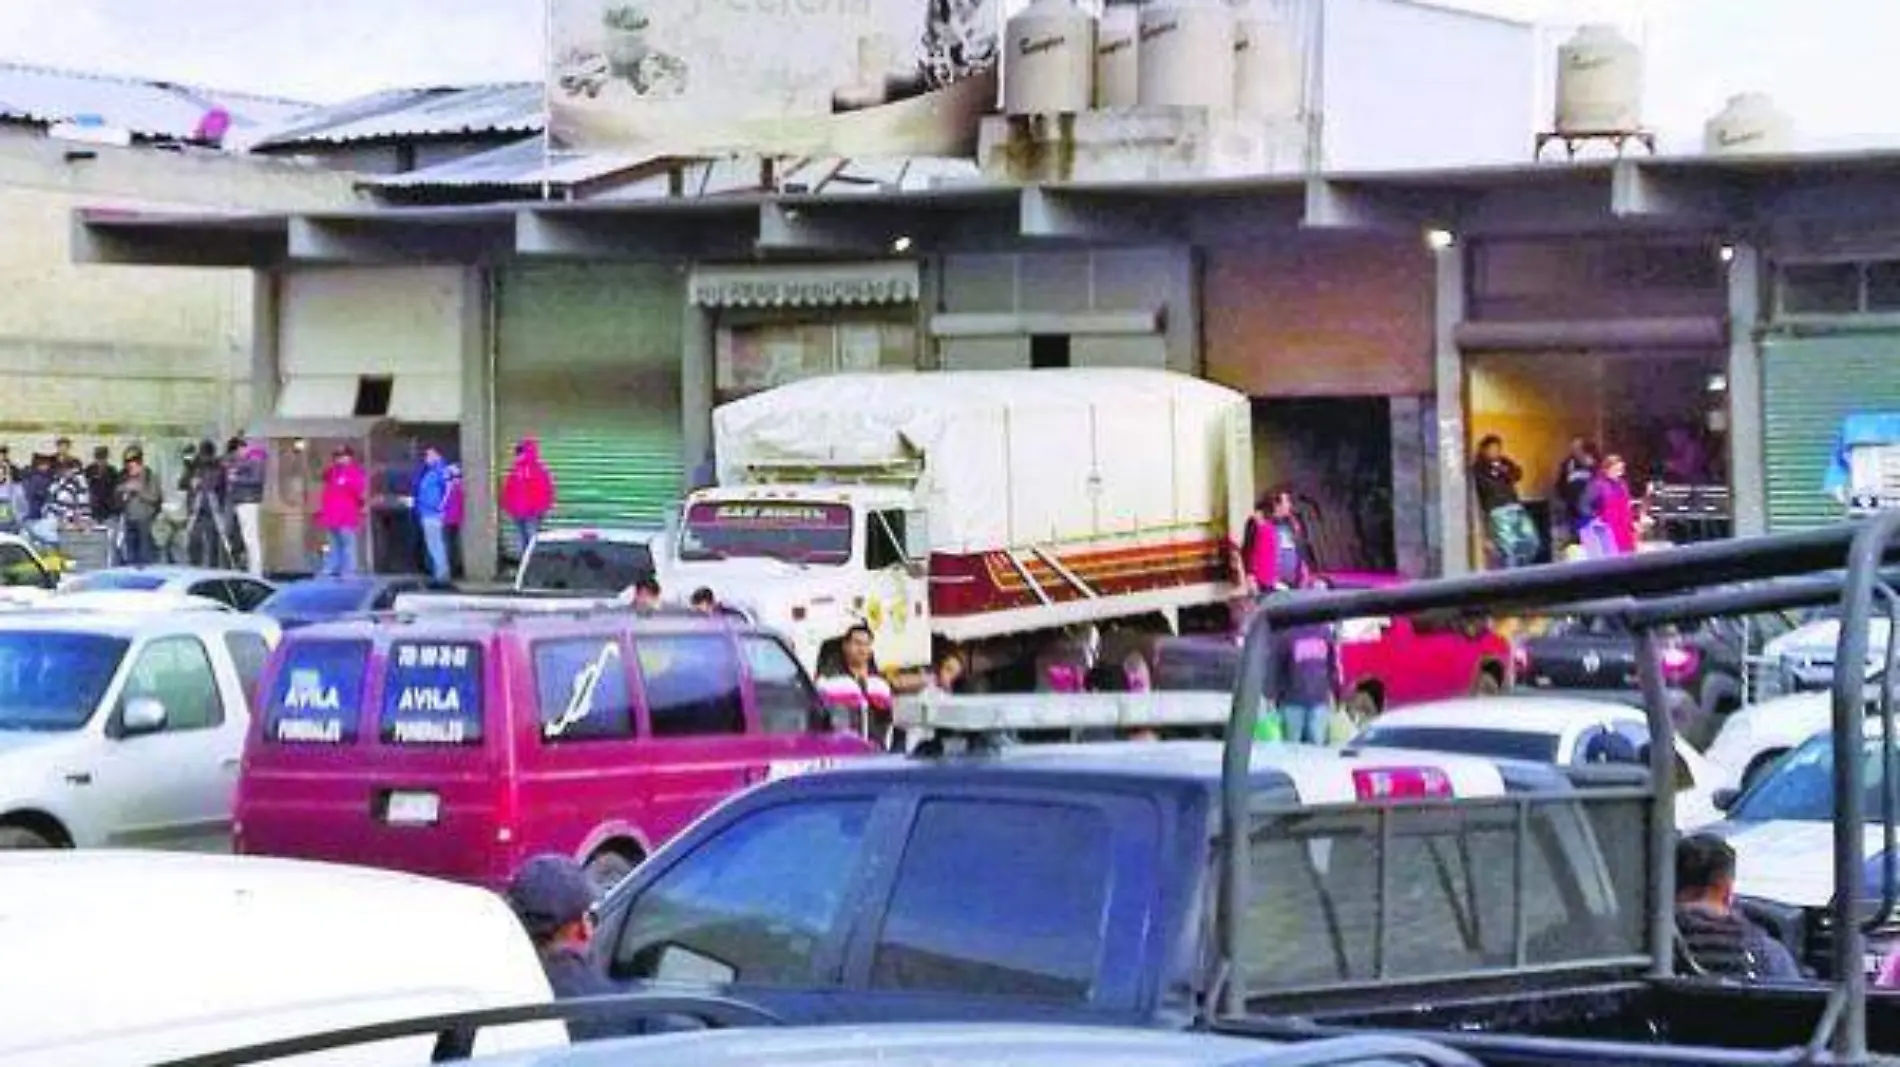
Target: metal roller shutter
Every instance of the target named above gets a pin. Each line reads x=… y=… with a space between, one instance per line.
x=1808 y=385
x=588 y=360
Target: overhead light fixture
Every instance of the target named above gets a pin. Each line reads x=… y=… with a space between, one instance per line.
x=901 y=245
x=1718 y=383
x=1727 y=254
x=1439 y=240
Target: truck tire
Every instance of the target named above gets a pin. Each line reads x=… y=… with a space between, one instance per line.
x=1489 y=682
x=20 y=837
x=610 y=865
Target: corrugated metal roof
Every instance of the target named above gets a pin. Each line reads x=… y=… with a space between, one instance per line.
x=507 y=107
x=526 y=165
x=45 y=96
x=523 y=164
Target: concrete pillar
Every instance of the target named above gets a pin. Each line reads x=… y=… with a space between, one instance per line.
x=266 y=363
x=1748 y=481
x=698 y=366
x=1410 y=507
x=1454 y=494
x=480 y=530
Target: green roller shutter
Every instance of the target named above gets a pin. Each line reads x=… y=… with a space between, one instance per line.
x=1809 y=384
x=588 y=360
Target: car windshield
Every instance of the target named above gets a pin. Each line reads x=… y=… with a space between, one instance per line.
x=1493 y=744
x=53 y=681
x=123 y=581
x=588 y=566
x=788 y=532
x=318 y=597
x=1800 y=788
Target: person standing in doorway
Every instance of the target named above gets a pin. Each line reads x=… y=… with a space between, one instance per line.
x=1610 y=528
x=244 y=484
x=1573 y=477
x=432 y=499
x=1275 y=549
x=139 y=498
x=340 y=511
x=1495 y=476
x=527 y=495
x=454 y=510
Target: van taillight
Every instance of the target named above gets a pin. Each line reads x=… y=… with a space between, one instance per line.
x=1394 y=783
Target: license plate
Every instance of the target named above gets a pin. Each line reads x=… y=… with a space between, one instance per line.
x=413 y=809
x=788 y=768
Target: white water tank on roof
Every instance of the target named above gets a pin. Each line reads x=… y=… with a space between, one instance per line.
x=1117 y=57
x=1049 y=68
x=1187 y=54
x=1750 y=123
x=1599 y=82
x=1269 y=70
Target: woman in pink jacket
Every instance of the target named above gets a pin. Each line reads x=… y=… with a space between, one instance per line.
x=340 y=511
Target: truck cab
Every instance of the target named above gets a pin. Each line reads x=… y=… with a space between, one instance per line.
x=811 y=561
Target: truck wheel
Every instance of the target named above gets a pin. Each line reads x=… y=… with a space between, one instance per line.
x=1488 y=683
x=609 y=866
x=19 y=837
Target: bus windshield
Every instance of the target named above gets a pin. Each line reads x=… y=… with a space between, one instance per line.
x=790 y=532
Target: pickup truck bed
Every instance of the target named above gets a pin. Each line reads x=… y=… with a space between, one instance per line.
x=1096 y=866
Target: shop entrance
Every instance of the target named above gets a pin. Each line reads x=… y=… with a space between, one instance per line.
x=1335 y=455
x=1665 y=412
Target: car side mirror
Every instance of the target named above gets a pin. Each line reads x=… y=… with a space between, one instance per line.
x=143 y=715
x=1725 y=797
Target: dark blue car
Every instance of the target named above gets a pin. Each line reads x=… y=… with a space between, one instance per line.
x=315 y=600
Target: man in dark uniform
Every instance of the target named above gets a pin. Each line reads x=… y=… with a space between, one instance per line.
x=554 y=899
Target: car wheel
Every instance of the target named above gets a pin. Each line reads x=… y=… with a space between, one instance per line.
x=608 y=868
x=19 y=837
x=1488 y=684
x=1362 y=708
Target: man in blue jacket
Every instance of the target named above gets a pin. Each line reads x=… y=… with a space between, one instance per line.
x=432 y=500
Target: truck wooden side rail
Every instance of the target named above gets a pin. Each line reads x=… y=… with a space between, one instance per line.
x=1863 y=549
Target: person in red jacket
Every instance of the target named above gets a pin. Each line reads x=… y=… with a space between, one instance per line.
x=527 y=495
x=340 y=510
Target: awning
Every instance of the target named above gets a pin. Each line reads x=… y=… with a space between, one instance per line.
x=896 y=282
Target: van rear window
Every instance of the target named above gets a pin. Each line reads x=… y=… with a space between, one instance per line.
x=432 y=694
x=318 y=693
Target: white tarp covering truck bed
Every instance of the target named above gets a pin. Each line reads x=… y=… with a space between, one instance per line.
x=1012 y=458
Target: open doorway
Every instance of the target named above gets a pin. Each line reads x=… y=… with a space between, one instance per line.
x=1665 y=412
x=1335 y=454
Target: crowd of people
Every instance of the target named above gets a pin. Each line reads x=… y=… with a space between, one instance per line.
x=1594 y=513
x=56 y=495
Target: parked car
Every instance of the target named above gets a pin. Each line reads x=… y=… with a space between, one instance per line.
x=605 y=560
x=1549 y=729
x=1383 y=663
x=273 y=949
x=1782 y=829
x=315 y=600
x=24 y=576
x=1803 y=659
x=459 y=744
x=241 y=591
x=1706 y=662
x=124 y=729
x=1755 y=737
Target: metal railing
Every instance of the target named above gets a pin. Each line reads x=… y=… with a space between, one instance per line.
x=1649 y=591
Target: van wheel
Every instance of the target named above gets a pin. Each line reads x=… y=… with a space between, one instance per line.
x=609 y=867
x=19 y=837
x=1489 y=682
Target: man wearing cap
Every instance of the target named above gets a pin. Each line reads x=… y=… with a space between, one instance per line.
x=554 y=899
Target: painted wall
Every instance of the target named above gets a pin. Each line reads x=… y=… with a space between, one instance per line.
x=1133 y=279
x=1320 y=315
x=111 y=354
x=339 y=324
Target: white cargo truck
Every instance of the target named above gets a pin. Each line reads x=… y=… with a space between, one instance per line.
x=993 y=512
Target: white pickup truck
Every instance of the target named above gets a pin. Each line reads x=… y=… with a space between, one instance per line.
x=994 y=512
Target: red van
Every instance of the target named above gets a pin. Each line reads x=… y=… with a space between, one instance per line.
x=458 y=745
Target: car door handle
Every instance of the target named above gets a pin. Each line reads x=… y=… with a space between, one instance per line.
x=79 y=778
